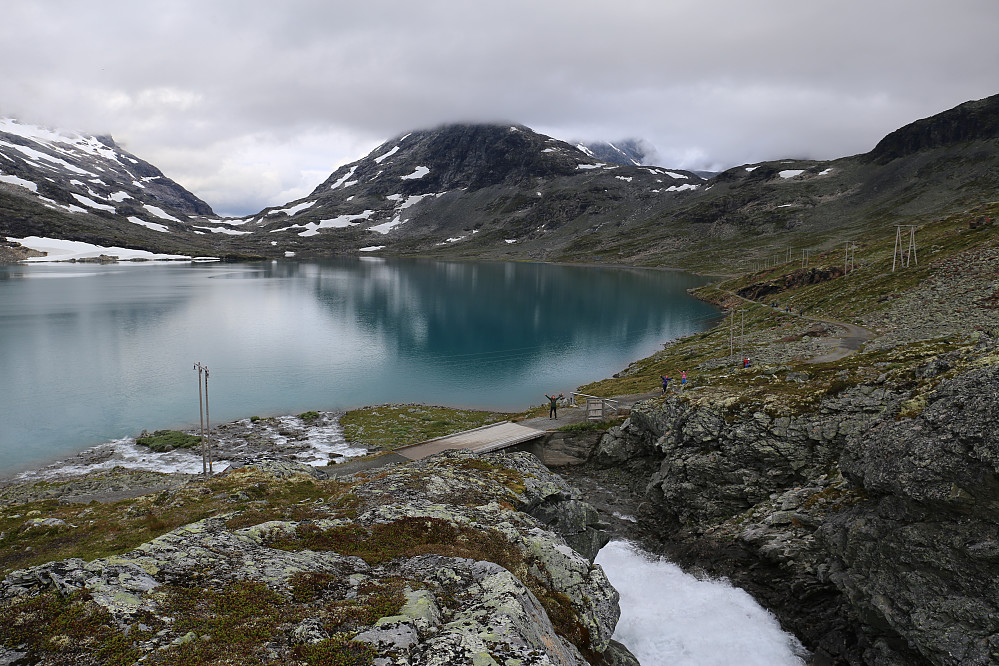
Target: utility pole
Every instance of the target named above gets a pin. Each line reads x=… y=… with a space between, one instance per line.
x=849 y=257
x=206 y=437
x=731 y=335
x=902 y=256
x=804 y=258
x=742 y=334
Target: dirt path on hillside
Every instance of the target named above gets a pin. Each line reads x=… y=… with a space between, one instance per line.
x=851 y=340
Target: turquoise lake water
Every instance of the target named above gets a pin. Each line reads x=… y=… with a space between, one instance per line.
x=91 y=353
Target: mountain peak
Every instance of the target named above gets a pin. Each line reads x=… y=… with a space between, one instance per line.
x=971 y=121
x=460 y=156
x=627 y=152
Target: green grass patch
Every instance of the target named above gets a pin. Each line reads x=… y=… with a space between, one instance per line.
x=392 y=426
x=168 y=440
x=590 y=426
x=67 y=630
x=224 y=625
x=406 y=537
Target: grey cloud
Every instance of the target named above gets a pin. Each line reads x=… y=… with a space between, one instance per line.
x=247 y=101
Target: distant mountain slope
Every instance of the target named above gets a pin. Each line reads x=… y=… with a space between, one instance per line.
x=474 y=187
x=972 y=121
x=507 y=192
x=629 y=152
x=71 y=186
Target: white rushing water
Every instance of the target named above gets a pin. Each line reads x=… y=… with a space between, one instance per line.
x=314 y=444
x=670 y=617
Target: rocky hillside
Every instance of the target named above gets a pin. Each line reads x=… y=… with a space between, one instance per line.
x=439 y=562
x=853 y=497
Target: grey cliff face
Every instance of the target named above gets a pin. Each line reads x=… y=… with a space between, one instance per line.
x=872 y=535
x=920 y=558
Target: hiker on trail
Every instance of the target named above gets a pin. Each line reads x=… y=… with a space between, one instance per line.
x=683 y=377
x=745 y=363
x=665 y=382
x=553 y=404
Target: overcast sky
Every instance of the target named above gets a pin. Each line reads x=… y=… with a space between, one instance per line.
x=250 y=103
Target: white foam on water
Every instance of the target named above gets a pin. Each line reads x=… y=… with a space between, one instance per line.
x=123 y=453
x=670 y=617
x=317 y=446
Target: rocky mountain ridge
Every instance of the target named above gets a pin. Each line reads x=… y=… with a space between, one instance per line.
x=506 y=192
x=57 y=184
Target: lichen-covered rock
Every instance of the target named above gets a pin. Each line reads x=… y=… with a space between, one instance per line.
x=432 y=563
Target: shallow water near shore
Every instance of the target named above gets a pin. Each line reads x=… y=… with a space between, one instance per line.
x=670 y=617
x=98 y=353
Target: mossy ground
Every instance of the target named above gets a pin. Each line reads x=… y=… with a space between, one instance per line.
x=100 y=529
x=392 y=426
x=168 y=440
x=233 y=623
x=716 y=376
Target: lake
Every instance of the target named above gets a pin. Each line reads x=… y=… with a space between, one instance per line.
x=96 y=352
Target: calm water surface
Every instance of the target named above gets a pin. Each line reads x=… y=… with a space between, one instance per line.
x=90 y=353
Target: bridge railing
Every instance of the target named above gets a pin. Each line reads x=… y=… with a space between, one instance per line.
x=596 y=407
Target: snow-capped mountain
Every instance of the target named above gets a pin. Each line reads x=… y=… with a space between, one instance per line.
x=628 y=152
x=504 y=192
x=477 y=184
x=73 y=186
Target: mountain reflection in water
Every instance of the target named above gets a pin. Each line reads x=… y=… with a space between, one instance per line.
x=107 y=352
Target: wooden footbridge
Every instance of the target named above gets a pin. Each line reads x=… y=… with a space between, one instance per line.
x=480 y=440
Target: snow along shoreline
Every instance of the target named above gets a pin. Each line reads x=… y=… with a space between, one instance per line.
x=317 y=441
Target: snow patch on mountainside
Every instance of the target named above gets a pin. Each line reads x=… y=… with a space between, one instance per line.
x=312 y=228
x=149 y=225
x=160 y=213
x=20 y=182
x=382 y=158
x=93 y=204
x=293 y=210
x=66 y=250
x=420 y=172
x=224 y=230
x=345 y=178
x=386 y=227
